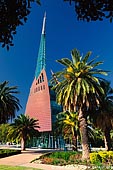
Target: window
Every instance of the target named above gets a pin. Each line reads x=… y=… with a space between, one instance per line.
x=42 y=77
x=43 y=86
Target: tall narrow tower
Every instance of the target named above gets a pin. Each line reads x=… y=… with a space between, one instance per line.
x=38 y=104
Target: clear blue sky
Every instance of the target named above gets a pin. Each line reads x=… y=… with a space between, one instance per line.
x=63 y=33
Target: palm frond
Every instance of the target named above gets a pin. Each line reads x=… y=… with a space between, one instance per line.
x=65 y=61
x=86 y=57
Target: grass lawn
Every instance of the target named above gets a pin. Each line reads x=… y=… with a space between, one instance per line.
x=5 y=167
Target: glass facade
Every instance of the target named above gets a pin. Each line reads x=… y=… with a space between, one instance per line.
x=55 y=108
x=48 y=139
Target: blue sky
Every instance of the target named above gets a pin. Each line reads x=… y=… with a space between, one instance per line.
x=63 y=33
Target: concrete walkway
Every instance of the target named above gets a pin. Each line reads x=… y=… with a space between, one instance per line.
x=26 y=157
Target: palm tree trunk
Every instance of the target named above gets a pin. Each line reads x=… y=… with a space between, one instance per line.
x=84 y=136
x=74 y=143
x=22 y=144
x=107 y=139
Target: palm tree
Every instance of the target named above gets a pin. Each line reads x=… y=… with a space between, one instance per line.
x=9 y=104
x=78 y=89
x=68 y=124
x=4 y=128
x=23 y=128
x=102 y=118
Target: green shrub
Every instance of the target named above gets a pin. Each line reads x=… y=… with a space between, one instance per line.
x=110 y=154
x=104 y=156
x=101 y=156
x=59 y=158
x=59 y=162
x=62 y=155
x=95 y=158
x=75 y=158
x=99 y=160
x=8 y=152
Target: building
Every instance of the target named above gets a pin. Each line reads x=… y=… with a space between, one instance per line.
x=41 y=102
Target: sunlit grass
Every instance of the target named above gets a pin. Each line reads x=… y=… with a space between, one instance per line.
x=5 y=167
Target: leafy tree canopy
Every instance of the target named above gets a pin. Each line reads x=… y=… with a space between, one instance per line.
x=23 y=128
x=12 y=14
x=93 y=10
x=15 y=12
x=9 y=103
x=4 y=128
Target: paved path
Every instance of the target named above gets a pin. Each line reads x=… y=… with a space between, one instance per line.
x=26 y=157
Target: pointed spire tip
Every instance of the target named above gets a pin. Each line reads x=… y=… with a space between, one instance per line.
x=44 y=23
x=45 y=14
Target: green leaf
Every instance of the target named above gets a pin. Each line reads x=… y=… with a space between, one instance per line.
x=75 y=56
x=65 y=61
x=78 y=85
x=69 y=88
x=86 y=57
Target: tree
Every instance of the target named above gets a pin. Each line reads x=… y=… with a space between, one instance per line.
x=23 y=128
x=4 y=129
x=78 y=89
x=90 y=10
x=68 y=123
x=103 y=117
x=13 y=13
x=9 y=103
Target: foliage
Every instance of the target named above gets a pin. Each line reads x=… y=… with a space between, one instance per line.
x=62 y=155
x=104 y=112
x=23 y=128
x=59 y=158
x=13 y=13
x=97 y=139
x=78 y=89
x=89 y=10
x=102 y=157
x=70 y=157
x=78 y=84
x=111 y=133
x=95 y=157
x=69 y=121
x=8 y=152
x=53 y=161
x=67 y=125
x=9 y=103
x=4 y=129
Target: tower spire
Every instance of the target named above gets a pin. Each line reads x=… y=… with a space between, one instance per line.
x=41 y=54
x=44 y=23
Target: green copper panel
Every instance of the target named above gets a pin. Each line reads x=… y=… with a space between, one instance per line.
x=41 y=54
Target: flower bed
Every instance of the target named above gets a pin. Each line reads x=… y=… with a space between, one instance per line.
x=102 y=160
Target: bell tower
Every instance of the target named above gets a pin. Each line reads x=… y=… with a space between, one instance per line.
x=38 y=105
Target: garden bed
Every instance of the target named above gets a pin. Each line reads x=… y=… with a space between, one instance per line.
x=102 y=160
